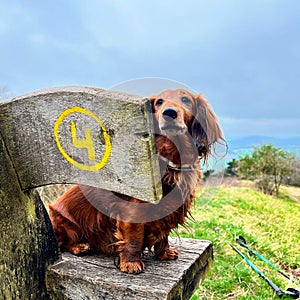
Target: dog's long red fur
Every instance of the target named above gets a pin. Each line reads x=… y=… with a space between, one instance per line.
x=186 y=129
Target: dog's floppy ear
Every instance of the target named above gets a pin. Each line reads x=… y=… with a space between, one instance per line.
x=205 y=127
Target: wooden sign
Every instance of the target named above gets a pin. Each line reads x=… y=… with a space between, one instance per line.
x=82 y=135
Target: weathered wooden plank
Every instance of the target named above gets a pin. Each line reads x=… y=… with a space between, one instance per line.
x=82 y=135
x=95 y=277
x=27 y=241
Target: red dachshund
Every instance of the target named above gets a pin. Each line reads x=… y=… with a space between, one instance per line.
x=186 y=128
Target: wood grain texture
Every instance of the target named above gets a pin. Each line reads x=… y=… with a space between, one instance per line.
x=28 y=125
x=96 y=277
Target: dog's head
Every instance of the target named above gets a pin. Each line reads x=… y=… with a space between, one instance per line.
x=178 y=112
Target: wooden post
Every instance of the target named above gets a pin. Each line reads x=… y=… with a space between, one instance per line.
x=27 y=241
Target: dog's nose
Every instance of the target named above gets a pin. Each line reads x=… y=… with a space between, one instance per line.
x=170 y=112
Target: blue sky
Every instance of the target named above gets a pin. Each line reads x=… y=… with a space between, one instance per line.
x=244 y=55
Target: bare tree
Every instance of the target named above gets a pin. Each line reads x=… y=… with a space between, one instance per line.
x=4 y=93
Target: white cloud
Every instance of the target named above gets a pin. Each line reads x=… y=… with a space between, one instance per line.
x=153 y=26
x=242 y=54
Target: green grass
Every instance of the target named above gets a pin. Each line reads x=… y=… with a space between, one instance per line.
x=270 y=226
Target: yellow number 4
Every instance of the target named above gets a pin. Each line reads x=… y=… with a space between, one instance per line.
x=86 y=143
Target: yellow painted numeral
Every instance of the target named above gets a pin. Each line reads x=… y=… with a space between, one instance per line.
x=86 y=143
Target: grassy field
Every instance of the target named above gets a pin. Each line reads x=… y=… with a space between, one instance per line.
x=270 y=226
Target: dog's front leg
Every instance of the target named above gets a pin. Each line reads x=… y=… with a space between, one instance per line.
x=130 y=238
x=163 y=251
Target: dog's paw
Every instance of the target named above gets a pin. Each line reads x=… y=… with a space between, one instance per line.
x=168 y=254
x=80 y=249
x=134 y=267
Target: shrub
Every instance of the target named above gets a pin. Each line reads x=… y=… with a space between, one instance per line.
x=268 y=167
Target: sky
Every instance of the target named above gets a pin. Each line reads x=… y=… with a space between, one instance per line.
x=243 y=55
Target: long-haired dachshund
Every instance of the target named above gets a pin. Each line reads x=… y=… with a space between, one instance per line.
x=186 y=129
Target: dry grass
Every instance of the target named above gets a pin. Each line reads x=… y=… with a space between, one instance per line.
x=50 y=193
x=292 y=192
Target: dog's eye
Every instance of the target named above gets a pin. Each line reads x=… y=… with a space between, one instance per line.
x=185 y=100
x=159 y=102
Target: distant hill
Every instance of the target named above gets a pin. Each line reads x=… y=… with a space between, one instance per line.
x=242 y=145
x=250 y=141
